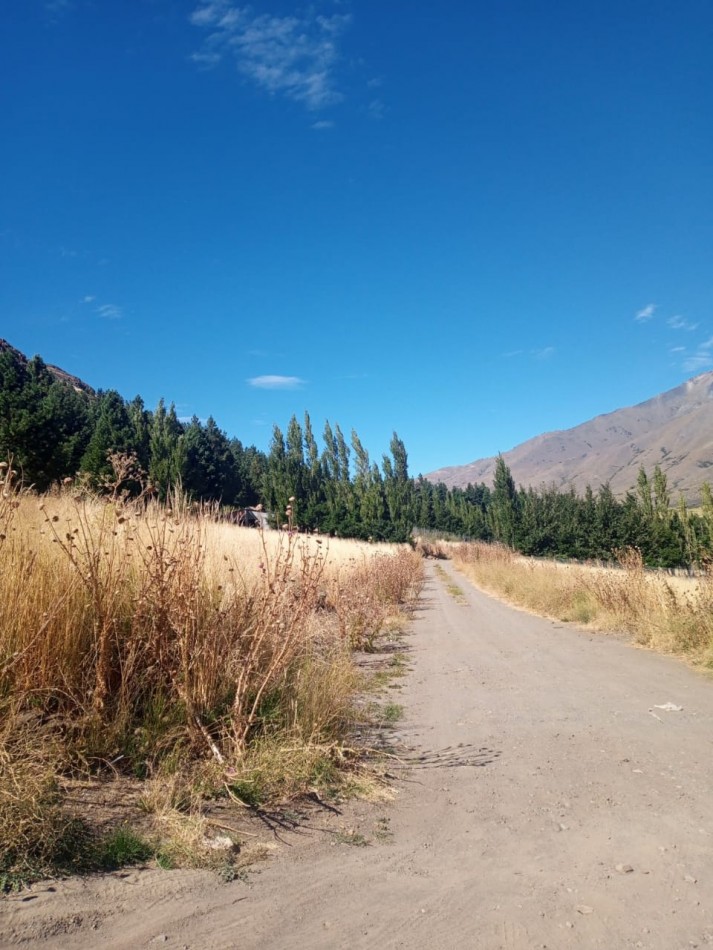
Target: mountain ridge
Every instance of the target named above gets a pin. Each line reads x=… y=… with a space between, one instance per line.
x=673 y=429
x=60 y=374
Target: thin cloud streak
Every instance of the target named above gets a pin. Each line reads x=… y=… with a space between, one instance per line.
x=109 y=311
x=294 y=56
x=680 y=323
x=701 y=359
x=646 y=313
x=695 y=364
x=542 y=353
x=276 y=382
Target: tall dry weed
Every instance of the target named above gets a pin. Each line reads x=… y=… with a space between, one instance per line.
x=151 y=637
x=37 y=834
x=366 y=593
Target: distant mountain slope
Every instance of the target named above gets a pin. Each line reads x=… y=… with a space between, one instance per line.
x=60 y=374
x=674 y=429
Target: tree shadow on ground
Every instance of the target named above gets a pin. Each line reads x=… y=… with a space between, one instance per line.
x=459 y=756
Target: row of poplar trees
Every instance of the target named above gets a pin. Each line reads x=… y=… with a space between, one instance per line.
x=54 y=430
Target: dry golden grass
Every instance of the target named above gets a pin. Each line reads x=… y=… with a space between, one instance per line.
x=668 y=614
x=36 y=832
x=153 y=639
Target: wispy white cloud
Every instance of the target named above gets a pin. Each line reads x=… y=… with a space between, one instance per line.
x=323 y=124
x=294 y=56
x=542 y=353
x=376 y=109
x=646 y=313
x=701 y=359
x=110 y=311
x=697 y=363
x=88 y=298
x=677 y=349
x=680 y=323
x=276 y=382
x=206 y=58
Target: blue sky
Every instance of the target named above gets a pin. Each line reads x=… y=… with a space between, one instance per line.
x=469 y=222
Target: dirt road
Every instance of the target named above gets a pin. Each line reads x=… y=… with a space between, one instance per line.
x=551 y=803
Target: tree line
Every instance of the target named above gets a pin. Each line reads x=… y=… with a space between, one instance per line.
x=55 y=431
x=547 y=522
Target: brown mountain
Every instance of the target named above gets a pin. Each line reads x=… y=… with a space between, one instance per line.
x=674 y=429
x=60 y=374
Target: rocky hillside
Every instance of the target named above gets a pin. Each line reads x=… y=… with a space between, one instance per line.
x=60 y=374
x=674 y=429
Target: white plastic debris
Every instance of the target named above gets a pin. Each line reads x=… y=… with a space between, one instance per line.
x=219 y=843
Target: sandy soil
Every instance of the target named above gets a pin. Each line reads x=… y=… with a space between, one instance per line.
x=547 y=802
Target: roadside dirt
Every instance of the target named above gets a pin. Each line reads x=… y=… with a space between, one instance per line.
x=544 y=800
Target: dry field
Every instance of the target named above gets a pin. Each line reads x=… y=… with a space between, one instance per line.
x=200 y=660
x=670 y=614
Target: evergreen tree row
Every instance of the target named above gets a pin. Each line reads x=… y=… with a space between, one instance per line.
x=54 y=430
x=551 y=523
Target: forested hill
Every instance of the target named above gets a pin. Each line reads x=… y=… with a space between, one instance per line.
x=21 y=361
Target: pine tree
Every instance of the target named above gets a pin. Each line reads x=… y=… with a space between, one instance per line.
x=44 y=423
x=141 y=434
x=250 y=468
x=208 y=472
x=112 y=432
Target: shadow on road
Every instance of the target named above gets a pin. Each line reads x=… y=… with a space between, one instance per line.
x=462 y=755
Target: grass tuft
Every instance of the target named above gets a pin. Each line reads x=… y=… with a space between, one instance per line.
x=123 y=847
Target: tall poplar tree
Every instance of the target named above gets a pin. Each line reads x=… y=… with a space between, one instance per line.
x=504 y=507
